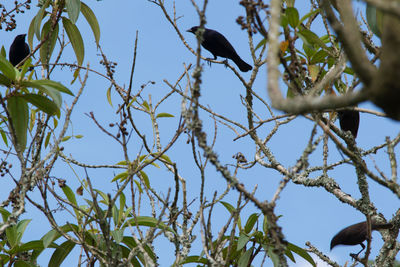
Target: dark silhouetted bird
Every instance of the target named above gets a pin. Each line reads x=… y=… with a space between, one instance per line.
x=219 y=46
x=18 y=50
x=356 y=234
x=349 y=120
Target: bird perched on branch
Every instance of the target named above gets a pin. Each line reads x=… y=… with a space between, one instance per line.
x=349 y=120
x=356 y=234
x=18 y=50
x=219 y=46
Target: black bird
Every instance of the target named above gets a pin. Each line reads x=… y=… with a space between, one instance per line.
x=218 y=45
x=356 y=234
x=349 y=120
x=18 y=50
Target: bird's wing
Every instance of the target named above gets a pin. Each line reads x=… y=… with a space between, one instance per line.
x=218 y=45
x=228 y=49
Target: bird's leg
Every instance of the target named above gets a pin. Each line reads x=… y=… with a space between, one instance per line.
x=208 y=60
x=225 y=63
x=355 y=256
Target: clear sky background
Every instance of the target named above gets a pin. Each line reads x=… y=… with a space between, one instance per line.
x=308 y=214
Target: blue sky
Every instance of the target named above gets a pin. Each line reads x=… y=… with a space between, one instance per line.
x=308 y=214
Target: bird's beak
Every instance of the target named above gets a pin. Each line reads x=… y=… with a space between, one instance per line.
x=189 y=30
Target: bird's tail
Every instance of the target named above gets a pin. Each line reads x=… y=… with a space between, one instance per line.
x=379 y=226
x=243 y=66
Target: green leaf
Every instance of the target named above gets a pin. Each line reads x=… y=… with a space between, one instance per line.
x=131 y=102
x=32 y=120
x=46 y=50
x=50 y=88
x=293 y=16
x=31 y=245
x=314 y=71
x=109 y=96
x=61 y=253
x=374 y=19
x=228 y=206
x=138 y=186
x=19 y=113
x=76 y=39
x=121 y=176
x=284 y=21
x=130 y=243
x=147 y=161
x=21 y=226
x=251 y=221
x=38 y=19
x=25 y=67
x=71 y=198
x=244 y=258
x=7 y=68
x=312 y=13
x=274 y=257
x=261 y=43
x=4 y=80
x=53 y=235
x=47 y=140
x=318 y=57
x=194 y=259
x=301 y=252
x=311 y=38
x=4 y=137
x=69 y=194
x=327 y=39
x=122 y=202
x=146 y=105
x=114 y=214
x=92 y=20
x=65 y=138
x=3 y=51
x=348 y=70
x=289 y=93
x=73 y=9
x=150 y=222
x=145 y=179
x=48 y=238
x=142 y=157
x=55 y=95
x=55 y=122
x=41 y=102
x=164 y=115
x=290 y=255
x=11 y=234
x=242 y=241
x=105 y=197
x=127 y=213
x=165 y=157
x=231 y=209
x=265 y=225
x=118 y=234
x=54 y=85
x=31 y=32
x=309 y=50
x=21 y=263
x=75 y=75
x=4 y=214
x=4 y=258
